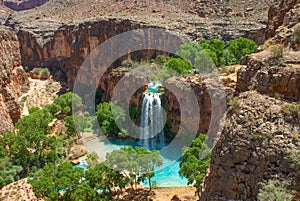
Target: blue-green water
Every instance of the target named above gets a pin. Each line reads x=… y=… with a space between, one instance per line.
x=166 y=175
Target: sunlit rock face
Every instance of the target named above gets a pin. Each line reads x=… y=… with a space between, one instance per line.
x=13 y=79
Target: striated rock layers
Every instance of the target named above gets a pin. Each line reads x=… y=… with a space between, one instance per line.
x=269 y=75
x=13 y=79
x=254 y=146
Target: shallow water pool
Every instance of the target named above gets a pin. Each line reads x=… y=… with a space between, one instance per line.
x=166 y=175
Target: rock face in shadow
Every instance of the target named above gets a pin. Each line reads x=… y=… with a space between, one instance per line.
x=13 y=79
x=18 y=5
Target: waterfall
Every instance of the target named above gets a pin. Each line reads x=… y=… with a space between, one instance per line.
x=152 y=122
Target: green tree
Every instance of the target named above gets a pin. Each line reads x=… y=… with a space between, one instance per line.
x=49 y=181
x=36 y=122
x=241 y=47
x=92 y=159
x=9 y=172
x=107 y=120
x=216 y=48
x=180 y=65
x=136 y=164
x=205 y=61
x=195 y=162
x=62 y=106
x=105 y=179
x=189 y=52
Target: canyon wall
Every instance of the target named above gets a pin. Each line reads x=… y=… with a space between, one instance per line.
x=258 y=137
x=253 y=147
x=63 y=48
x=13 y=79
x=284 y=24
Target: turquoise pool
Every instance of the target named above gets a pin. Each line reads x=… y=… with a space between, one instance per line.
x=166 y=175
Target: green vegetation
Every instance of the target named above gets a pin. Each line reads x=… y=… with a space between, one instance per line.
x=207 y=55
x=277 y=51
x=136 y=164
x=180 y=65
x=9 y=172
x=107 y=119
x=275 y=190
x=241 y=47
x=48 y=181
x=40 y=73
x=195 y=162
x=235 y=104
x=277 y=95
x=257 y=137
x=297 y=33
x=30 y=147
x=292 y=112
x=99 y=182
x=294 y=159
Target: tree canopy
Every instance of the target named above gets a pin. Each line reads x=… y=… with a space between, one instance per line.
x=195 y=162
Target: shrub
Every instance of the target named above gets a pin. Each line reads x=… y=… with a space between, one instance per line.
x=257 y=137
x=294 y=158
x=33 y=110
x=275 y=190
x=180 y=65
x=40 y=73
x=291 y=110
x=241 y=47
x=161 y=59
x=297 y=33
x=205 y=61
x=277 y=51
x=277 y=95
x=235 y=104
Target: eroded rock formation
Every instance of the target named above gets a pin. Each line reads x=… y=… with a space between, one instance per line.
x=253 y=147
x=257 y=138
x=13 y=79
x=270 y=75
x=284 y=24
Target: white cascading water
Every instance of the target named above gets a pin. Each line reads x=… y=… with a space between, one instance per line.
x=152 y=120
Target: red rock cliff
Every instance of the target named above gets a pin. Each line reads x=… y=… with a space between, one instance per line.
x=13 y=79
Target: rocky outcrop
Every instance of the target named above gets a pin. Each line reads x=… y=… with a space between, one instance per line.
x=19 y=190
x=173 y=108
x=276 y=16
x=75 y=151
x=283 y=26
x=13 y=79
x=253 y=147
x=18 y=5
x=271 y=75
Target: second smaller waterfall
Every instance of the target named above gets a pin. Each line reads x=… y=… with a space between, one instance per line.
x=152 y=122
